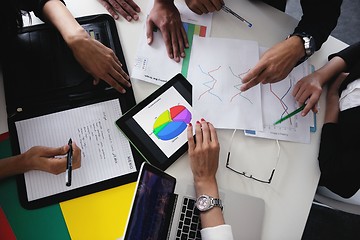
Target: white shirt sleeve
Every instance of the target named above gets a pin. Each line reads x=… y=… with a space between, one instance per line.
x=223 y=232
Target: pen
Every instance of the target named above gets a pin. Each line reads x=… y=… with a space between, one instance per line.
x=290 y=114
x=228 y=10
x=69 y=159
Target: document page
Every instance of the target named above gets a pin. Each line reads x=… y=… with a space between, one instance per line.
x=105 y=151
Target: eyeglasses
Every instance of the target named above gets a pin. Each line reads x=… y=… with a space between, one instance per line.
x=243 y=173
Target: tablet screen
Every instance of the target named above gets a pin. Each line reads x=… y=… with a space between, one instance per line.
x=157 y=125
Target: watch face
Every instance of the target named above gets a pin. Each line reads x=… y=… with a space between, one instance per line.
x=203 y=203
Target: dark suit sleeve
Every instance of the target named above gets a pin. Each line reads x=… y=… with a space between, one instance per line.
x=319 y=19
x=339 y=155
x=351 y=55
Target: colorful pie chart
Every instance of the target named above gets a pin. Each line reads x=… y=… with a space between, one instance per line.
x=171 y=123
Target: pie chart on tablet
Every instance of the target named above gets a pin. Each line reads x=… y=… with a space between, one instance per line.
x=171 y=123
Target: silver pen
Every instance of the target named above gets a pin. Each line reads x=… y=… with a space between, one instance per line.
x=228 y=10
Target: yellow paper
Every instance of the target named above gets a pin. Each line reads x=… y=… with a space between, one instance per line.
x=101 y=215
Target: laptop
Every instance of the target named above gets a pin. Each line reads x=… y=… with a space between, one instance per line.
x=162 y=209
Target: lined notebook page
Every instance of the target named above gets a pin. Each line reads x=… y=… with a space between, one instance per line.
x=105 y=151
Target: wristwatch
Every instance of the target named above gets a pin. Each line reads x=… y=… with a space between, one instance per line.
x=309 y=44
x=205 y=203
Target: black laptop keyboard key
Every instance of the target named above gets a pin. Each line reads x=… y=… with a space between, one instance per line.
x=189 y=225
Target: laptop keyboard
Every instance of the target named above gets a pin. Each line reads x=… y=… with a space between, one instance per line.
x=189 y=225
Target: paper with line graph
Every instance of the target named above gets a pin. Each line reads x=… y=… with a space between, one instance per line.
x=215 y=71
x=152 y=63
x=277 y=101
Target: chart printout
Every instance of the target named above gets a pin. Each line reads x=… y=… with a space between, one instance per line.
x=216 y=68
x=152 y=63
x=277 y=102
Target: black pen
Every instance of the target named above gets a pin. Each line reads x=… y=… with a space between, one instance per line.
x=69 y=164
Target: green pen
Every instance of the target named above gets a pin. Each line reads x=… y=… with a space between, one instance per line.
x=290 y=114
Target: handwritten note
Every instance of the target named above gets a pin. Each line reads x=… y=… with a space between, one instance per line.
x=105 y=151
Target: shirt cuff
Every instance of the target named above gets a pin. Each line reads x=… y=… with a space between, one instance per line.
x=223 y=232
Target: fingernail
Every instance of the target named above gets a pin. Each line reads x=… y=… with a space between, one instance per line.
x=182 y=54
x=190 y=125
x=136 y=17
x=149 y=40
x=116 y=17
x=202 y=120
x=128 y=18
x=197 y=122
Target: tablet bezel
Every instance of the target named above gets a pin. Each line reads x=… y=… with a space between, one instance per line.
x=140 y=139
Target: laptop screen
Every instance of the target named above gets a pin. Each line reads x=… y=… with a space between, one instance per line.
x=152 y=207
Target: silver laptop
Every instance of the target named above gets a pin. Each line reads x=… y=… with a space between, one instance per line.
x=162 y=209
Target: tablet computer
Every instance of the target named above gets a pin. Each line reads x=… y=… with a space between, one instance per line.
x=156 y=127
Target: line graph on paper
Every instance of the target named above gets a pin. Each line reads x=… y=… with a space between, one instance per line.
x=216 y=68
x=283 y=103
x=222 y=84
x=277 y=101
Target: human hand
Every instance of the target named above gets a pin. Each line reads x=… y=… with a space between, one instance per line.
x=204 y=6
x=44 y=158
x=203 y=153
x=275 y=64
x=126 y=8
x=308 y=90
x=165 y=16
x=100 y=61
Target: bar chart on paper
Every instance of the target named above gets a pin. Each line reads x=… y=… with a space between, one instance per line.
x=152 y=63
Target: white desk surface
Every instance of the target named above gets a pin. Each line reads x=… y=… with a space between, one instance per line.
x=289 y=196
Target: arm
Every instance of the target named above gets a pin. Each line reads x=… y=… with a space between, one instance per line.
x=97 y=59
x=204 y=160
x=278 y=61
x=165 y=16
x=128 y=9
x=313 y=11
x=39 y=158
x=309 y=88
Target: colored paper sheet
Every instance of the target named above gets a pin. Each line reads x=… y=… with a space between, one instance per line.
x=101 y=215
x=49 y=222
x=6 y=231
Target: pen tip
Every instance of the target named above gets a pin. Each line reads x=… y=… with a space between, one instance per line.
x=250 y=25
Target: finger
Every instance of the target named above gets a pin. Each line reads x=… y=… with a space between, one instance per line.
x=149 y=31
x=120 y=9
x=249 y=85
x=218 y=4
x=121 y=75
x=181 y=43
x=213 y=134
x=168 y=43
x=51 y=152
x=296 y=89
x=184 y=37
x=175 y=45
x=108 y=7
x=76 y=156
x=190 y=137
x=198 y=134
x=205 y=131
x=134 y=5
x=114 y=83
